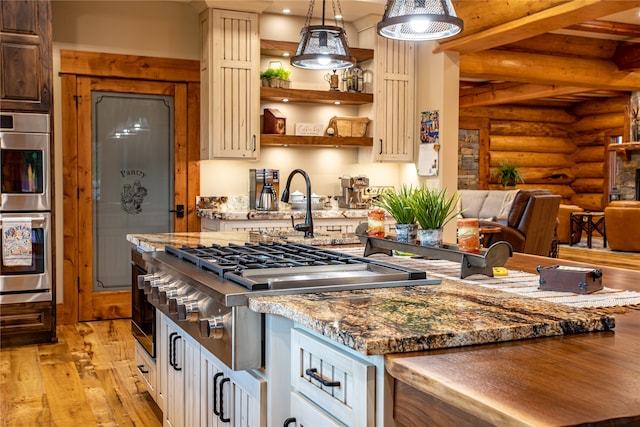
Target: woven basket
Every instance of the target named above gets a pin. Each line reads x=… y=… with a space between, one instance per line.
x=349 y=126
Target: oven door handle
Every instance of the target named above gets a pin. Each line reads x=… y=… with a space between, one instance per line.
x=36 y=222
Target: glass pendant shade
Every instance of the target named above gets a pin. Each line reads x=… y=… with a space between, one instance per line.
x=416 y=20
x=322 y=47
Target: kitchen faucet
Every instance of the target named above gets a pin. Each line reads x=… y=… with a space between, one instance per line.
x=307 y=227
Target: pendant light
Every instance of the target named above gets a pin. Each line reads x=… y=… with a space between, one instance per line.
x=416 y=20
x=323 y=47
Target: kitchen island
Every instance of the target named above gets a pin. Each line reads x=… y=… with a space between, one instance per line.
x=456 y=393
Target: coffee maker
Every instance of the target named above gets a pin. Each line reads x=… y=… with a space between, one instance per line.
x=353 y=192
x=263 y=189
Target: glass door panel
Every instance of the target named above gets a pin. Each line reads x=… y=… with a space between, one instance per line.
x=132 y=179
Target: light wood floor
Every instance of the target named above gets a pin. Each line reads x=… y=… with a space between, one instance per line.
x=601 y=257
x=88 y=378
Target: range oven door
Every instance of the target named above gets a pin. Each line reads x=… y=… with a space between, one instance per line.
x=24 y=162
x=143 y=314
x=32 y=282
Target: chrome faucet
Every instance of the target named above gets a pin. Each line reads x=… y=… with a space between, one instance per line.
x=307 y=227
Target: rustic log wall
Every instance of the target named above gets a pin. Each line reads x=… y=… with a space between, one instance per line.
x=563 y=150
x=596 y=123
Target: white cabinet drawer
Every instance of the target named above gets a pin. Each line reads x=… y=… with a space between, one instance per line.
x=146 y=367
x=306 y=414
x=333 y=379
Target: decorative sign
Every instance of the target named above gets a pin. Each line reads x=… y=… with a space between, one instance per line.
x=133 y=192
x=309 y=129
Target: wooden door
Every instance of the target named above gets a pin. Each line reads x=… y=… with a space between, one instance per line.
x=117 y=304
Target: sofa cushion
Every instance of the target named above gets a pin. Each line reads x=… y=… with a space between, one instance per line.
x=471 y=201
x=493 y=204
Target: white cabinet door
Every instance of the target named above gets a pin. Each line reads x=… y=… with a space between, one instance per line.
x=230 y=85
x=230 y=398
x=182 y=373
x=396 y=122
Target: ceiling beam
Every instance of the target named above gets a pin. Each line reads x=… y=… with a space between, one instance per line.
x=627 y=57
x=554 y=18
x=608 y=27
x=509 y=93
x=497 y=64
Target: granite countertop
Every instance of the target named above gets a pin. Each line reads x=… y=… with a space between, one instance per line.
x=282 y=214
x=404 y=319
x=157 y=241
x=414 y=318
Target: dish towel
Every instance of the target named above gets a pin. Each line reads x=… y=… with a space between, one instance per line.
x=16 y=242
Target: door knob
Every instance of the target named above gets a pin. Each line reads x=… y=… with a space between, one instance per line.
x=179 y=210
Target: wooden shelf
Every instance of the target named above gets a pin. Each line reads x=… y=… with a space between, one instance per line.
x=626 y=148
x=277 y=48
x=315 y=96
x=315 y=141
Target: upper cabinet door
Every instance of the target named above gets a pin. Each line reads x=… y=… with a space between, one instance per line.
x=25 y=56
x=395 y=101
x=230 y=85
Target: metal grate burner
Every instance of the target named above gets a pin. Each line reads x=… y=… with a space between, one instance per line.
x=259 y=266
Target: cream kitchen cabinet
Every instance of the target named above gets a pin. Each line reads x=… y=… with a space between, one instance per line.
x=230 y=398
x=230 y=85
x=396 y=120
x=339 y=225
x=180 y=376
x=146 y=367
x=337 y=382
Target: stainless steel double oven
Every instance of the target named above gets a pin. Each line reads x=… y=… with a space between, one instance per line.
x=25 y=208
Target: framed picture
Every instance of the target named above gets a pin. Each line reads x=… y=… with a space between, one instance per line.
x=428 y=160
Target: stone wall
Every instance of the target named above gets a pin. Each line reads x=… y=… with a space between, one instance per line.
x=468 y=158
x=626 y=175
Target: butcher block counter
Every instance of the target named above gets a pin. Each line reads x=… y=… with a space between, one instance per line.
x=538 y=373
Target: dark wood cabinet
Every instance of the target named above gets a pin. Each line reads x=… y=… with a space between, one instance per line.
x=25 y=56
x=27 y=323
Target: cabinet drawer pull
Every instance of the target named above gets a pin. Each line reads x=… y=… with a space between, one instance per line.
x=289 y=421
x=312 y=372
x=142 y=370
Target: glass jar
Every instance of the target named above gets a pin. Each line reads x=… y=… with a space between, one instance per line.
x=469 y=235
x=375 y=221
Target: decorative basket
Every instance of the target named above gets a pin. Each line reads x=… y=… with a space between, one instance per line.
x=349 y=126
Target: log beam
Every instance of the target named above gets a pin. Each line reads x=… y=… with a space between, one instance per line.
x=496 y=94
x=627 y=57
x=553 y=18
x=543 y=69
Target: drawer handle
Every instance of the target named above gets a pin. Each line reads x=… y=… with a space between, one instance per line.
x=312 y=372
x=142 y=370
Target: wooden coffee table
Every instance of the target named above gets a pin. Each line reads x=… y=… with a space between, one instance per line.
x=589 y=222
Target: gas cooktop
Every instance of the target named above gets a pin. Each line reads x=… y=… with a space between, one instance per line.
x=288 y=266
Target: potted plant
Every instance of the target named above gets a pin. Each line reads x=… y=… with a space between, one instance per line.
x=508 y=174
x=275 y=77
x=433 y=209
x=398 y=204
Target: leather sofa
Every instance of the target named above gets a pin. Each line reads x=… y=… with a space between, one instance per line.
x=527 y=218
x=622 y=225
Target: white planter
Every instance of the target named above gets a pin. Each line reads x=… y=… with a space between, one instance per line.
x=430 y=238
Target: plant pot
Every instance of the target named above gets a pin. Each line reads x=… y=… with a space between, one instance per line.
x=406 y=233
x=430 y=238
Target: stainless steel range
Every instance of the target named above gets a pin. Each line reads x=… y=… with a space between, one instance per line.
x=206 y=289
